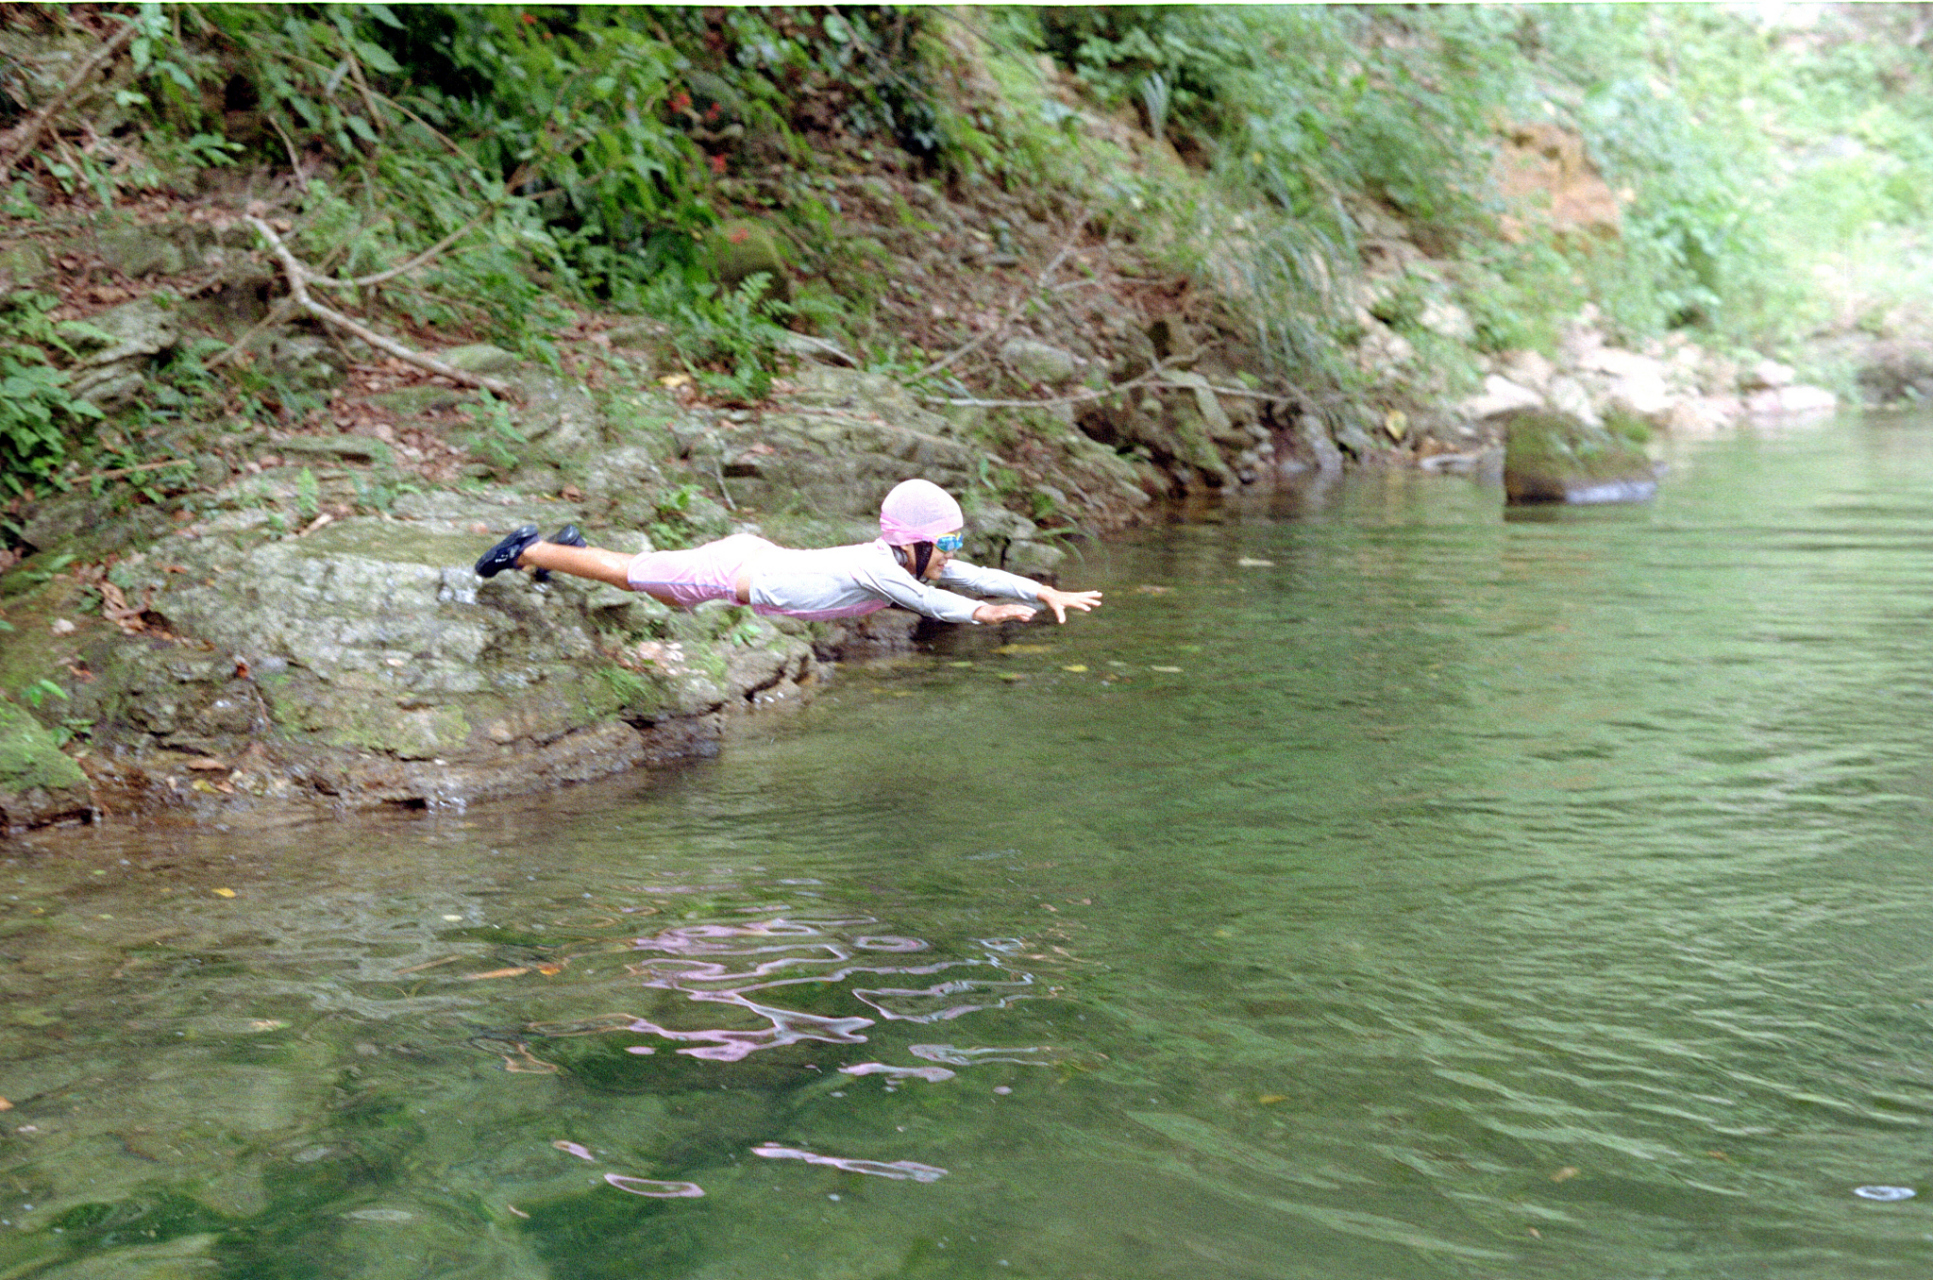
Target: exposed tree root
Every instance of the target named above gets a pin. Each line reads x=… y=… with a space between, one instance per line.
x=300 y=277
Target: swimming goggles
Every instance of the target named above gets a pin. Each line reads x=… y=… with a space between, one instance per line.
x=950 y=542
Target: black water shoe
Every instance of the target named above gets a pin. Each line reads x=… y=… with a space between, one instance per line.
x=568 y=536
x=504 y=554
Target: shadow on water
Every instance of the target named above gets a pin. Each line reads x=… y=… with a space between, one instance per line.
x=1382 y=885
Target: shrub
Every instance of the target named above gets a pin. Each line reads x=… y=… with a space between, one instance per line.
x=37 y=413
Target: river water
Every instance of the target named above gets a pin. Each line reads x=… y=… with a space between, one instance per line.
x=1379 y=886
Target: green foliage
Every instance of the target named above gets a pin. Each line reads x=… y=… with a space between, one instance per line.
x=308 y=497
x=1743 y=149
x=496 y=439
x=676 y=522
x=527 y=158
x=1305 y=104
x=1518 y=294
x=574 y=105
x=728 y=341
x=38 y=414
x=41 y=690
x=1290 y=267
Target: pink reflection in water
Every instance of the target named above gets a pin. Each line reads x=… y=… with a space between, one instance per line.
x=701 y=938
x=780 y=952
x=954 y=1056
x=653 y=1188
x=901 y=1170
x=935 y=1074
x=745 y=964
x=939 y=1002
x=524 y=1062
x=788 y=1026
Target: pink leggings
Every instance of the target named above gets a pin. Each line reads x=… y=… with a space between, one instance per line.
x=697 y=574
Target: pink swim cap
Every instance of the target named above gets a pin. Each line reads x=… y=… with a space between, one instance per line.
x=917 y=511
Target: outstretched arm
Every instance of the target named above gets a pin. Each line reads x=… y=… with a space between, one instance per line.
x=978 y=580
x=1059 y=601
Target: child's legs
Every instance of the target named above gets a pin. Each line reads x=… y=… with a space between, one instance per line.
x=581 y=562
x=690 y=577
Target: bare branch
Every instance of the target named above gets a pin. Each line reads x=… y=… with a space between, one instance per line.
x=27 y=134
x=299 y=278
x=495 y=202
x=435 y=250
x=118 y=472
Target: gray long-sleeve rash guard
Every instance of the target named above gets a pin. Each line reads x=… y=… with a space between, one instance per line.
x=844 y=582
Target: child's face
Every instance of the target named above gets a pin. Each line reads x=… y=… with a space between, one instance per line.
x=936 y=564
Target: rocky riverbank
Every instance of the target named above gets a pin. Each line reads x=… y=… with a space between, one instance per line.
x=279 y=647
x=291 y=625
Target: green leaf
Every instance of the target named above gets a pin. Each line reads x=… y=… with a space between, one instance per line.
x=374 y=55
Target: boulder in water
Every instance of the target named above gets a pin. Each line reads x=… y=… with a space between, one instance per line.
x=1554 y=457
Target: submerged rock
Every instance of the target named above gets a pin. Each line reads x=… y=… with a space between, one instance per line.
x=1552 y=457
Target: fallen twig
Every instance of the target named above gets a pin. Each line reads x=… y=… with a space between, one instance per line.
x=25 y=135
x=806 y=344
x=299 y=278
x=118 y=472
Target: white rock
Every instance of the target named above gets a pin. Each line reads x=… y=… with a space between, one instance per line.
x=1040 y=362
x=1646 y=398
x=1382 y=349
x=1527 y=369
x=1705 y=415
x=1768 y=375
x=1580 y=340
x=1567 y=395
x=1447 y=320
x=1803 y=398
x=1500 y=395
x=1798 y=400
x=1617 y=362
x=1636 y=384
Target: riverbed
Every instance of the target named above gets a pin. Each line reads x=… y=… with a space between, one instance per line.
x=1382 y=884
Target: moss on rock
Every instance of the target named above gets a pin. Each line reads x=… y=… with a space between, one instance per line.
x=1554 y=457
x=38 y=782
x=741 y=249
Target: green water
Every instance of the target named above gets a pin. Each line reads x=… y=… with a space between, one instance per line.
x=1376 y=887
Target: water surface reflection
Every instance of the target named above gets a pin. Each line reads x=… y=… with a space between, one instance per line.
x=1392 y=890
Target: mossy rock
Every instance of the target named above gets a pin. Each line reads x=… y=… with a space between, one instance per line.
x=38 y=783
x=741 y=249
x=1554 y=457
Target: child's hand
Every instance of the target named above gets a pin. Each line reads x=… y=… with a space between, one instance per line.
x=1061 y=601
x=1003 y=613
